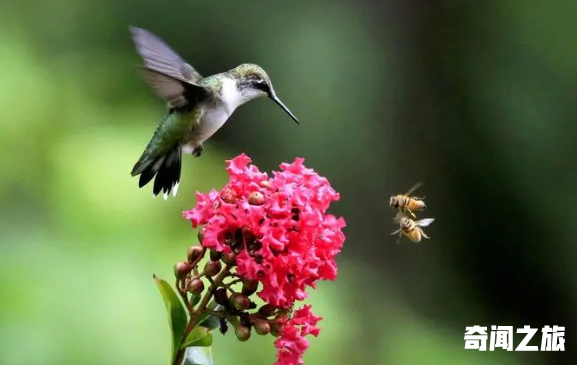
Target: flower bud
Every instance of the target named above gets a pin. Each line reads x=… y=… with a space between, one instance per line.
x=195 y=286
x=281 y=315
x=240 y=302
x=229 y=258
x=261 y=326
x=215 y=255
x=201 y=234
x=212 y=268
x=249 y=286
x=228 y=195
x=266 y=310
x=242 y=333
x=245 y=321
x=275 y=329
x=195 y=253
x=221 y=297
x=265 y=184
x=181 y=269
x=256 y=198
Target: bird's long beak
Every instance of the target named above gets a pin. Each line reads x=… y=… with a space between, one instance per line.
x=280 y=103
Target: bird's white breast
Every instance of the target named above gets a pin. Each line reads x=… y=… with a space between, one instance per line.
x=215 y=117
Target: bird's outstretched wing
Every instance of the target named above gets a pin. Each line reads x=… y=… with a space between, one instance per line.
x=168 y=75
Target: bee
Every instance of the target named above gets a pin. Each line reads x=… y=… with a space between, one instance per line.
x=407 y=203
x=410 y=228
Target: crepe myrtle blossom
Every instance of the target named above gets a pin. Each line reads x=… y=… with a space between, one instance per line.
x=287 y=241
x=274 y=236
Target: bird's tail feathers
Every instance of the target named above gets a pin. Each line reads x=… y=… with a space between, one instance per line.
x=165 y=167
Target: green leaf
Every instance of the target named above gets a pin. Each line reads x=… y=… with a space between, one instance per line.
x=198 y=337
x=176 y=314
x=198 y=356
x=210 y=322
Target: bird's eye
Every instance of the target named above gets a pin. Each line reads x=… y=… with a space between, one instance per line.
x=261 y=84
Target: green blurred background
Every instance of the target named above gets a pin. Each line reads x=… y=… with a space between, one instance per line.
x=475 y=99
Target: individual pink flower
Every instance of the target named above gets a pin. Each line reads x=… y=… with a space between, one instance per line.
x=289 y=242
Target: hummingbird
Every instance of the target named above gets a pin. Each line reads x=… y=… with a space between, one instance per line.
x=197 y=107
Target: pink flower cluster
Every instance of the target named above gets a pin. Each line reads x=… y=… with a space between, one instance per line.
x=291 y=343
x=289 y=241
x=286 y=214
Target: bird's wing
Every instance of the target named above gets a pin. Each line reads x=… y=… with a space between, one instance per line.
x=175 y=92
x=169 y=76
x=159 y=57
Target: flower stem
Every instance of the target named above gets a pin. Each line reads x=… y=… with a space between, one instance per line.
x=182 y=293
x=236 y=281
x=195 y=314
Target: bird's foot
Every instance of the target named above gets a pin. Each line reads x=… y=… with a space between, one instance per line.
x=197 y=152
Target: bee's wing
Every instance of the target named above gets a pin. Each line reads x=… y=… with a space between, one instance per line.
x=424 y=222
x=415 y=187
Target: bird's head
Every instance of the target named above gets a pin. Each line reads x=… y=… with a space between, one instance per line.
x=253 y=82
